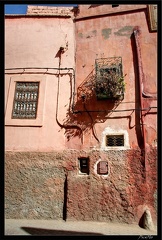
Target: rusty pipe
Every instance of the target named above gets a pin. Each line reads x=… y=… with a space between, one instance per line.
x=136 y=33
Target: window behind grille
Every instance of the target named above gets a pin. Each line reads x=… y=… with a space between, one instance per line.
x=109 y=78
x=25 y=100
x=114 y=140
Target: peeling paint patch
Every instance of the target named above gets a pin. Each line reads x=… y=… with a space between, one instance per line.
x=91 y=34
x=88 y=34
x=106 y=32
x=125 y=31
x=80 y=35
x=94 y=32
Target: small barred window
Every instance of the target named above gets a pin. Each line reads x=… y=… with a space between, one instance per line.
x=114 y=140
x=25 y=100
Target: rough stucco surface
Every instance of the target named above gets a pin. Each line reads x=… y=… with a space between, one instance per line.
x=35 y=186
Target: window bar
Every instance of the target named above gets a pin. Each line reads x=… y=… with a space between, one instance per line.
x=25 y=100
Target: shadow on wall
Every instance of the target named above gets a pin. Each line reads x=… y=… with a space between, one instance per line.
x=87 y=110
x=65 y=200
x=49 y=232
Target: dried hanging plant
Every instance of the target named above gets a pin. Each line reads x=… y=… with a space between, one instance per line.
x=109 y=84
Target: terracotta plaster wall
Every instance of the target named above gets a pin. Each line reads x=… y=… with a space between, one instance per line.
x=38 y=158
x=102 y=35
x=99 y=9
x=122 y=196
x=36 y=186
x=105 y=36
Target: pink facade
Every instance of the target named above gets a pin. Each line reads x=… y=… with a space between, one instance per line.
x=108 y=36
x=60 y=48
x=37 y=45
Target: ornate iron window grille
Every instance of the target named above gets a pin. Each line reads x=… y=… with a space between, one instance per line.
x=25 y=100
x=109 y=78
x=114 y=140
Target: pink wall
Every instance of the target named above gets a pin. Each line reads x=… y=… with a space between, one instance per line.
x=35 y=42
x=40 y=153
x=102 y=36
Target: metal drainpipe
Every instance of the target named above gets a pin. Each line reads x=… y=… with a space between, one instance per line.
x=136 y=32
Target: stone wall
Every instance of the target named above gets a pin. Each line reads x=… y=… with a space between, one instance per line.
x=49 y=186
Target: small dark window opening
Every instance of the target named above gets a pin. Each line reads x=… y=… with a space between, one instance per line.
x=114 y=140
x=84 y=165
x=25 y=100
x=115 y=5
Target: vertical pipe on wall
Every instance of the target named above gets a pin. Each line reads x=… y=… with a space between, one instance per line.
x=66 y=126
x=136 y=33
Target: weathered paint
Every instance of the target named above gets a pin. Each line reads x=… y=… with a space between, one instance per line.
x=80 y=35
x=40 y=157
x=134 y=193
x=87 y=52
x=125 y=31
x=91 y=34
x=38 y=179
x=106 y=32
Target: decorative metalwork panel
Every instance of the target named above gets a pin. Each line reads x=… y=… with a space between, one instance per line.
x=109 y=78
x=108 y=62
x=114 y=140
x=25 y=100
